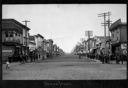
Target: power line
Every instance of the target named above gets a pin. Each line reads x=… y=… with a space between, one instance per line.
x=104 y=15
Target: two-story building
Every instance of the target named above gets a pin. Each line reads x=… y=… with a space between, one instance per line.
x=100 y=44
x=85 y=46
x=45 y=48
x=118 y=37
x=54 y=49
x=91 y=44
x=25 y=38
x=32 y=43
x=38 y=40
x=50 y=47
x=12 y=38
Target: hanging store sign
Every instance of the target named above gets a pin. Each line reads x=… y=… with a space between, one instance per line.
x=6 y=50
x=123 y=46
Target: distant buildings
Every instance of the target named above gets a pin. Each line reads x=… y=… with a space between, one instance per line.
x=50 y=47
x=100 y=44
x=39 y=39
x=91 y=44
x=17 y=41
x=32 y=43
x=114 y=44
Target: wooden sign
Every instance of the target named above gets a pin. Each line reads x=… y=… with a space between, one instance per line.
x=6 y=50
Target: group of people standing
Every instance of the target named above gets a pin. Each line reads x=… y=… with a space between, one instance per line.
x=106 y=58
x=23 y=58
x=33 y=56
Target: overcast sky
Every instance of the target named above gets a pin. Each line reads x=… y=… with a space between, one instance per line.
x=64 y=23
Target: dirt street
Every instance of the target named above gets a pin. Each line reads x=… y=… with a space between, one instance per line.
x=66 y=67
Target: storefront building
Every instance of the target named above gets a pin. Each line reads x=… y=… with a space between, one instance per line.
x=32 y=44
x=119 y=37
x=12 y=38
x=38 y=40
x=50 y=47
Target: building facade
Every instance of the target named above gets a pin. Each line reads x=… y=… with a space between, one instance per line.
x=50 y=47
x=119 y=37
x=32 y=43
x=100 y=44
x=91 y=45
x=25 y=38
x=38 y=40
x=45 y=48
x=12 y=38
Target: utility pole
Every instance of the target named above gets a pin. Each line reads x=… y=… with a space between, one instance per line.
x=105 y=24
x=109 y=23
x=26 y=35
x=88 y=41
x=26 y=21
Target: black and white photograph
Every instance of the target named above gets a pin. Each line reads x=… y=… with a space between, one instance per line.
x=64 y=42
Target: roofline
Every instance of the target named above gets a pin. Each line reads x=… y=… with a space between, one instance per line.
x=17 y=22
x=50 y=40
x=32 y=42
x=40 y=35
x=117 y=24
x=102 y=36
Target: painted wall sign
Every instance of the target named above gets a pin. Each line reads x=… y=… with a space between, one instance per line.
x=6 y=50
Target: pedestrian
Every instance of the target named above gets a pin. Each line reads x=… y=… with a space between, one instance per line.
x=117 y=59
x=34 y=56
x=7 y=64
x=106 y=58
x=79 y=56
x=10 y=58
x=25 y=58
x=103 y=58
x=31 y=57
x=20 y=58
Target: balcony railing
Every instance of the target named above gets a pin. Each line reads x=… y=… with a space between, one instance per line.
x=12 y=39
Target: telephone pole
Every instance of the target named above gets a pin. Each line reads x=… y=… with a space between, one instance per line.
x=109 y=23
x=26 y=36
x=26 y=21
x=104 y=15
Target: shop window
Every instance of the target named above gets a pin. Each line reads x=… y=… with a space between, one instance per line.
x=10 y=34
